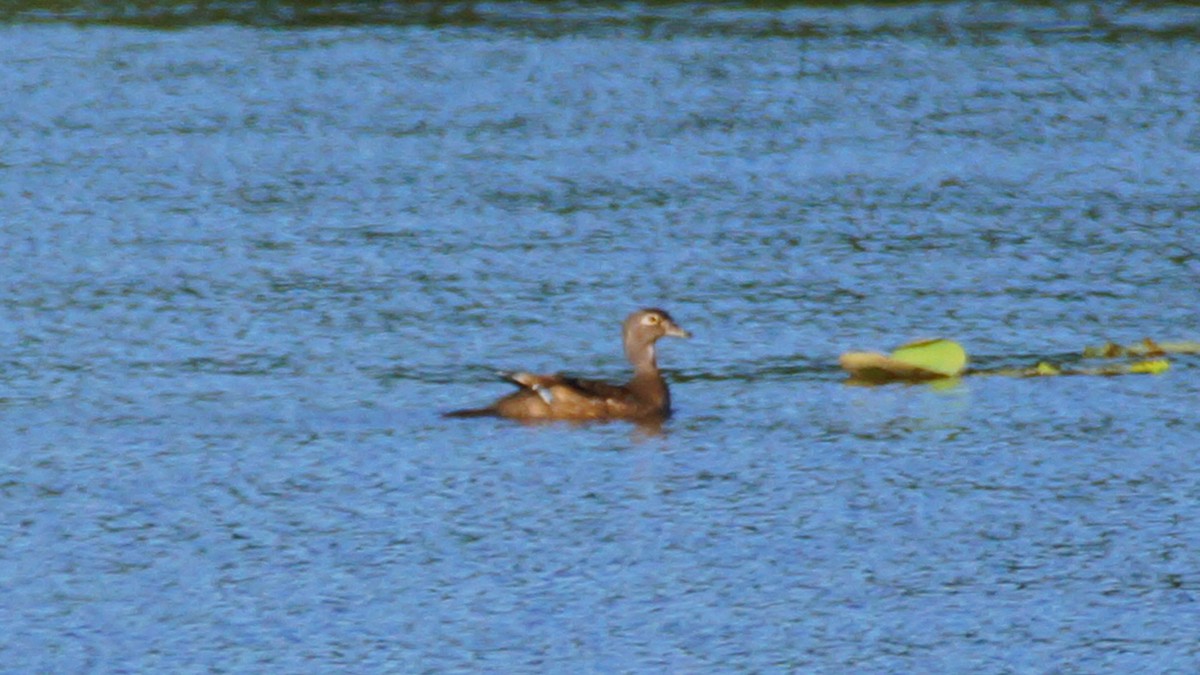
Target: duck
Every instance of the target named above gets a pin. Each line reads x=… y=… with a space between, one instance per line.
x=645 y=397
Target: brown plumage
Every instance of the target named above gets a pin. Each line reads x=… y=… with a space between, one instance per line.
x=557 y=397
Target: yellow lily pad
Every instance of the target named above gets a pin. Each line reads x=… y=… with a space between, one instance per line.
x=1151 y=366
x=1044 y=368
x=914 y=362
x=944 y=357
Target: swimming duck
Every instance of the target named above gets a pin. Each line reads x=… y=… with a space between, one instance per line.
x=558 y=397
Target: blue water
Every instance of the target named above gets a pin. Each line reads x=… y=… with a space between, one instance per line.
x=248 y=260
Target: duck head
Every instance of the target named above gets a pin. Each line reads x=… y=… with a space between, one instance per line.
x=642 y=329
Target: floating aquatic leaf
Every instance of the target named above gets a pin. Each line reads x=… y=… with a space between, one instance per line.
x=941 y=356
x=943 y=359
x=1179 y=347
x=1152 y=366
x=1147 y=347
x=1043 y=368
x=913 y=362
x=1108 y=350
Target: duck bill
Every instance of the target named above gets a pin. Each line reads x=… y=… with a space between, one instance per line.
x=676 y=331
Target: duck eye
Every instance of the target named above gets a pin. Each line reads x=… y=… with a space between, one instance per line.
x=651 y=319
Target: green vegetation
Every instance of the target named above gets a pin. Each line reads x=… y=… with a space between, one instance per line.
x=940 y=359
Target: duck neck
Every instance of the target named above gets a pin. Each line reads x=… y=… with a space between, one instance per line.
x=648 y=382
x=641 y=355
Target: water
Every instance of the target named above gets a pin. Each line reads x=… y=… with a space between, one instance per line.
x=249 y=257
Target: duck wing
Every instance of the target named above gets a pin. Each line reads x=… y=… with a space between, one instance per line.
x=529 y=380
x=558 y=387
x=564 y=390
x=595 y=388
x=567 y=398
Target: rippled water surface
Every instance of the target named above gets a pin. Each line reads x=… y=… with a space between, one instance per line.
x=247 y=260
